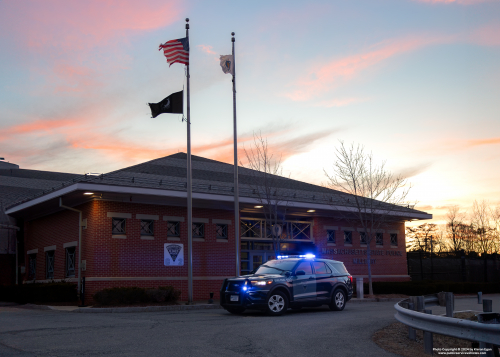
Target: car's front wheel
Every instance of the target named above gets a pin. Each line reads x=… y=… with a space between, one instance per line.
x=277 y=303
x=338 y=300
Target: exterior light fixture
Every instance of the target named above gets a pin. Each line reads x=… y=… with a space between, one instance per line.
x=311 y=210
x=88 y=193
x=258 y=206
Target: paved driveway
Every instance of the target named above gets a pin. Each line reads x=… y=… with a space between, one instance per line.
x=309 y=332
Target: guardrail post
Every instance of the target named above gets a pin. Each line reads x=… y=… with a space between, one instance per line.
x=428 y=337
x=480 y=297
x=359 y=288
x=487 y=305
x=420 y=303
x=489 y=318
x=412 y=333
x=450 y=304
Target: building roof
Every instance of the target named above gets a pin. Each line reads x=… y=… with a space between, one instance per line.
x=19 y=184
x=210 y=180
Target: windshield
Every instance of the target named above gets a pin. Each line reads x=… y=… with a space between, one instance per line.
x=276 y=267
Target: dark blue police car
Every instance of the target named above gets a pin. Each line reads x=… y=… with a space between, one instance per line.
x=289 y=282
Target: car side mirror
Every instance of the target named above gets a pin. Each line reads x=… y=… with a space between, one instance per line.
x=287 y=274
x=300 y=272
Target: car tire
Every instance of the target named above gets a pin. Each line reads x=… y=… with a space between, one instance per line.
x=235 y=310
x=277 y=303
x=338 y=300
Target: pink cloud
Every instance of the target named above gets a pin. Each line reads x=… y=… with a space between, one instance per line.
x=79 y=25
x=339 y=102
x=333 y=73
x=207 y=49
x=488 y=35
x=491 y=141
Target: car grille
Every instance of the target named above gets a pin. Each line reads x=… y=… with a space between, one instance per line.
x=234 y=286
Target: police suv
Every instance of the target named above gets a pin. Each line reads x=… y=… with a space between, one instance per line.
x=289 y=282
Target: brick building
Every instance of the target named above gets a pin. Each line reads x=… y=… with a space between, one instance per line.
x=134 y=228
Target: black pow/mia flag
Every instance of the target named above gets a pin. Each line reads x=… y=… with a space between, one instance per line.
x=174 y=104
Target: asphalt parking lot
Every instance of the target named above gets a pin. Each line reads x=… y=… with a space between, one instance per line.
x=309 y=332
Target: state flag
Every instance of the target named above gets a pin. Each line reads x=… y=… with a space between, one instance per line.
x=227 y=64
x=174 y=104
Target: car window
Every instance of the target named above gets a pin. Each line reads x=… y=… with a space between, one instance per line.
x=276 y=267
x=321 y=268
x=340 y=268
x=305 y=266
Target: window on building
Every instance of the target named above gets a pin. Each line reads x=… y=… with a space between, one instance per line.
x=32 y=267
x=173 y=229
x=394 y=239
x=198 y=230
x=347 y=237
x=362 y=237
x=147 y=227
x=118 y=225
x=251 y=228
x=221 y=231
x=70 y=262
x=49 y=264
x=330 y=236
x=379 y=239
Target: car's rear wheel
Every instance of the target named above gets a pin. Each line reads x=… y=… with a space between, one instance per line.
x=338 y=300
x=277 y=303
x=235 y=310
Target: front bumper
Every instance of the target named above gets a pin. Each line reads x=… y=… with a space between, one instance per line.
x=250 y=299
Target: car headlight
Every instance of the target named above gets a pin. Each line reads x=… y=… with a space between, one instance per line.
x=260 y=282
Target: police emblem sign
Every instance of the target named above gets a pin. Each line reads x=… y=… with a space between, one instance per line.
x=173 y=254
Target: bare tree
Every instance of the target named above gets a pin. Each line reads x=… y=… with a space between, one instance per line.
x=422 y=238
x=454 y=222
x=372 y=193
x=267 y=171
x=483 y=224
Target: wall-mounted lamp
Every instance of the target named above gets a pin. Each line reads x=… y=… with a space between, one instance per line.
x=88 y=193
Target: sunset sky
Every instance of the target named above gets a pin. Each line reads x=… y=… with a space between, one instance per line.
x=417 y=82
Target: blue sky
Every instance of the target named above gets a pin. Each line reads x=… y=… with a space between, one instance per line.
x=415 y=82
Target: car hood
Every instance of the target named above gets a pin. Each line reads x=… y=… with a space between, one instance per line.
x=256 y=277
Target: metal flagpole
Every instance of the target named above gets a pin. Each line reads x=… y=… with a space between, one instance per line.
x=236 y=188
x=189 y=187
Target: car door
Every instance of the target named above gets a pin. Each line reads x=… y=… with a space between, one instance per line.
x=304 y=286
x=324 y=280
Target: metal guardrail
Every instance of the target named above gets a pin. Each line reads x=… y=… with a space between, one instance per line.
x=459 y=328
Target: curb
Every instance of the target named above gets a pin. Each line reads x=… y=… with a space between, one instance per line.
x=147 y=308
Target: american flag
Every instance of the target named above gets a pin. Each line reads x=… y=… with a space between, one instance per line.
x=176 y=51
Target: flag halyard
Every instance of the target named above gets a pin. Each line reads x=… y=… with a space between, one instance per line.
x=176 y=51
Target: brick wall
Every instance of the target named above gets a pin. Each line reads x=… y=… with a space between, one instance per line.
x=388 y=260
x=132 y=261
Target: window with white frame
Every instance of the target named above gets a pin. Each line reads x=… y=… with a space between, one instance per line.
x=173 y=229
x=394 y=239
x=362 y=237
x=70 y=262
x=221 y=231
x=251 y=228
x=49 y=264
x=198 y=230
x=379 y=238
x=147 y=227
x=347 y=237
x=330 y=236
x=32 y=267
x=119 y=225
